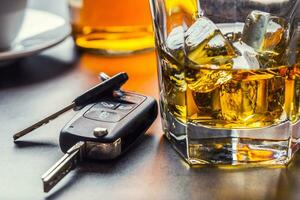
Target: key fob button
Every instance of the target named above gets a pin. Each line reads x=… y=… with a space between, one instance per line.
x=100 y=132
x=107 y=104
x=103 y=115
x=133 y=98
x=125 y=107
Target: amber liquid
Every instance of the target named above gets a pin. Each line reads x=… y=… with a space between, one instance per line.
x=112 y=27
x=231 y=98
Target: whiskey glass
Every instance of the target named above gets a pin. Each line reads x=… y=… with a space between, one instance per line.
x=229 y=79
x=111 y=27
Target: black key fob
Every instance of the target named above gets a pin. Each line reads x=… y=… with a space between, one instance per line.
x=110 y=126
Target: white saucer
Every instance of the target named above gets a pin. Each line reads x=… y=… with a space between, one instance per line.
x=40 y=30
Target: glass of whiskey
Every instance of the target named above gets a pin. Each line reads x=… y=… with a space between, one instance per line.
x=229 y=79
x=115 y=27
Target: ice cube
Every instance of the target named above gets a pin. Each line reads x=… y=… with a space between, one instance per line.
x=246 y=58
x=255 y=28
x=268 y=35
x=175 y=42
x=268 y=60
x=172 y=70
x=241 y=47
x=173 y=74
x=265 y=32
x=246 y=61
x=275 y=45
x=238 y=100
x=276 y=36
x=205 y=44
x=174 y=87
x=206 y=80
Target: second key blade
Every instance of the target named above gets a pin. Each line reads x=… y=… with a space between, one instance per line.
x=43 y=121
x=62 y=167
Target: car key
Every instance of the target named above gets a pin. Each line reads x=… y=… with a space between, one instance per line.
x=102 y=131
x=107 y=86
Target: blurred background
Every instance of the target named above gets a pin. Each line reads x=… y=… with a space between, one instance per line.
x=58 y=7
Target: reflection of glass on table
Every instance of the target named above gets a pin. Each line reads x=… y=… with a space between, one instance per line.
x=229 y=80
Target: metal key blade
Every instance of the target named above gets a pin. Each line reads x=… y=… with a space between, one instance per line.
x=61 y=168
x=43 y=121
x=91 y=95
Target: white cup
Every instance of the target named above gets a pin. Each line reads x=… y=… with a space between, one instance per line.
x=11 y=19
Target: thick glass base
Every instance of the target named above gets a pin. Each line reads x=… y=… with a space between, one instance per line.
x=114 y=41
x=295 y=144
x=238 y=151
x=233 y=147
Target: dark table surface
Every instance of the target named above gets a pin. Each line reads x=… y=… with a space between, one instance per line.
x=36 y=86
